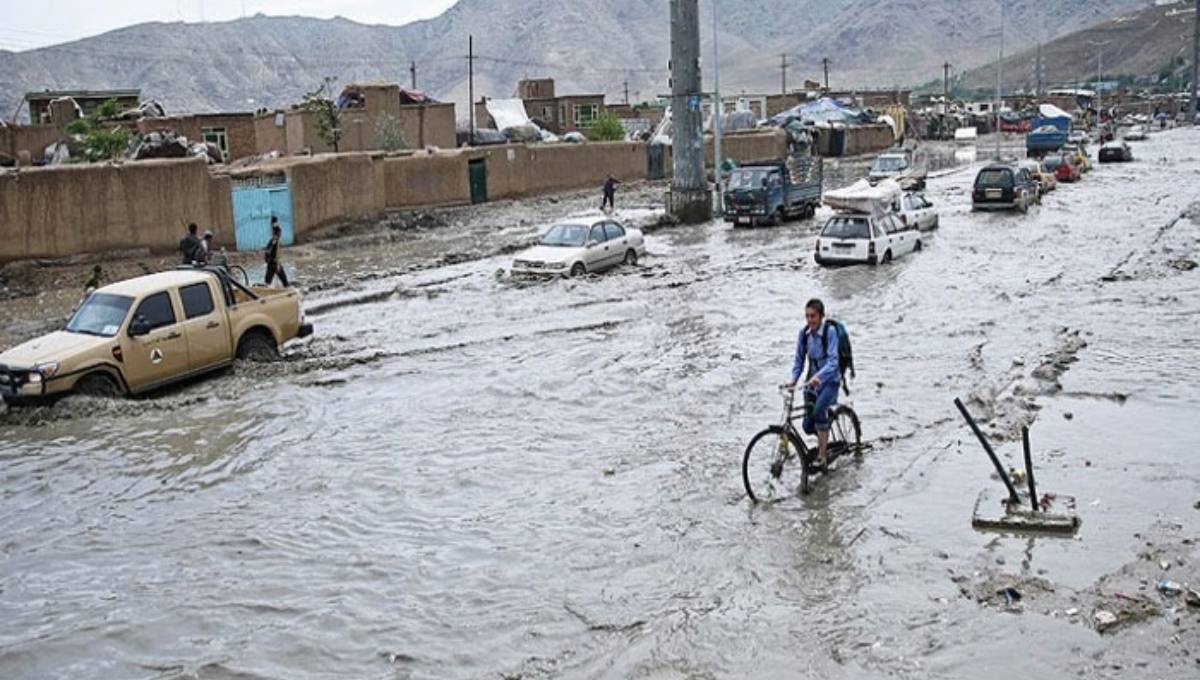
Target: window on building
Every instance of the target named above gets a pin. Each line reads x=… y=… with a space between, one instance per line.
x=218 y=136
x=585 y=114
x=547 y=113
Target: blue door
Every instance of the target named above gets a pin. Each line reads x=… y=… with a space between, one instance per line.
x=253 y=207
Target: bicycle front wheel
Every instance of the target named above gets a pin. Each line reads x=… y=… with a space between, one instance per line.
x=775 y=465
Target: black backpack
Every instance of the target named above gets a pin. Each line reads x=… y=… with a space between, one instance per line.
x=845 y=350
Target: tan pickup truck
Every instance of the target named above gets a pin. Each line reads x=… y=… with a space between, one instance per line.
x=137 y=335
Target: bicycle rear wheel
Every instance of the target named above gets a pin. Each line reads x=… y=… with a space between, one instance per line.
x=238 y=274
x=845 y=433
x=775 y=465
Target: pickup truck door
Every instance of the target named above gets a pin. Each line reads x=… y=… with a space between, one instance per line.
x=205 y=326
x=162 y=354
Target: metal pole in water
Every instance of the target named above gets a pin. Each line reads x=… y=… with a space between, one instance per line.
x=1013 y=498
x=718 y=114
x=1033 y=498
x=999 y=80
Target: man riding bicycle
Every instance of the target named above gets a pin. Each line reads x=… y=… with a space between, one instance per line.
x=819 y=343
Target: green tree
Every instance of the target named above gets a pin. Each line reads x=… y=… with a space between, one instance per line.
x=329 y=116
x=606 y=128
x=94 y=139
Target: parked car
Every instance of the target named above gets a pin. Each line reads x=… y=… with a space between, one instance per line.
x=1077 y=137
x=1045 y=181
x=580 y=248
x=1116 y=152
x=1062 y=167
x=915 y=210
x=859 y=238
x=1079 y=157
x=896 y=165
x=1137 y=133
x=1003 y=187
x=137 y=335
x=771 y=192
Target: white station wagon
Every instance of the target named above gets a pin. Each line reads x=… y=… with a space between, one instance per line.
x=581 y=248
x=859 y=238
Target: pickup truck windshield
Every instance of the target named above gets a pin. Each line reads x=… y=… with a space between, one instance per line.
x=569 y=235
x=101 y=314
x=889 y=164
x=994 y=178
x=748 y=178
x=846 y=227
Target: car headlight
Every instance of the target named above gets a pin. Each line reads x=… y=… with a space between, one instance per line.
x=48 y=370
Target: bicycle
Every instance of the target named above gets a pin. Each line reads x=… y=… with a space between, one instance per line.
x=236 y=272
x=777 y=456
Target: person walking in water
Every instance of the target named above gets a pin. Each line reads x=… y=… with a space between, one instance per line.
x=610 y=193
x=271 y=255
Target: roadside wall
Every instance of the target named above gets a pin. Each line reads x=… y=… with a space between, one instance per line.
x=335 y=187
x=425 y=180
x=862 y=139
x=428 y=125
x=61 y=211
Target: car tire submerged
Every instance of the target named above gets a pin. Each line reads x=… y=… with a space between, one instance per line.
x=100 y=385
x=631 y=258
x=578 y=269
x=257 y=345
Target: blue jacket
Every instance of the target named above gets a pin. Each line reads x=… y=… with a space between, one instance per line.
x=822 y=356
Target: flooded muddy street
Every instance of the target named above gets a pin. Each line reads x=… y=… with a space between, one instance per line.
x=461 y=476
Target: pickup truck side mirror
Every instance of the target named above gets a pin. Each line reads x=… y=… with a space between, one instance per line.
x=138 y=327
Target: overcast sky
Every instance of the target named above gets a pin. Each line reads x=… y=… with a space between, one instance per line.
x=36 y=23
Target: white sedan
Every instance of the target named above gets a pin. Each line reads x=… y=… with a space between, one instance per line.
x=915 y=210
x=580 y=248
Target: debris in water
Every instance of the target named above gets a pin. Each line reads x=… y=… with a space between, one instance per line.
x=1068 y=415
x=1104 y=620
x=1169 y=588
x=1183 y=264
x=1164 y=565
x=1193 y=597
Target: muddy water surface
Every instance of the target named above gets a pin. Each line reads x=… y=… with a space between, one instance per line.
x=474 y=478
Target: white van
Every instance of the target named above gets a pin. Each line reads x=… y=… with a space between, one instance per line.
x=860 y=238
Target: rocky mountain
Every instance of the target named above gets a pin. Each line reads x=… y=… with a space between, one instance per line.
x=1154 y=41
x=595 y=46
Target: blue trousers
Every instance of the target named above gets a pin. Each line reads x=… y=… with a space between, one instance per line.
x=817 y=419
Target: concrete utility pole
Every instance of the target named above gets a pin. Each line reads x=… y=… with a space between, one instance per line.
x=718 y=116
x=1038 y=91
x=690 y=201
x=412 y=69
x=945 y=99
x=471 y=85
x=1195 y=66
x=1000 y=78
x=626 y=92
x=825 y=63
x=783 y=68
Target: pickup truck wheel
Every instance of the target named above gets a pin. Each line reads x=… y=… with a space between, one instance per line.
x=98 y=385
x=257 y=346
x=631 y=258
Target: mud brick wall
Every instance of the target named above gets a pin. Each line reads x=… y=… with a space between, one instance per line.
x=32 y=138
x=335 y=187
x=424 y=179
x=439 y=125
x=863 y=139
x=267 y=136
x=55 y=212
x=743 y=146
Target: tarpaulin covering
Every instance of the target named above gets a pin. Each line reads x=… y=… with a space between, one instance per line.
x=1052 y=111
x=824 y=110
x=864 y=198
x=508 y=113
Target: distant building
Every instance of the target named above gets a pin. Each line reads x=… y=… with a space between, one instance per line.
x=88 y=101
x=558 y=114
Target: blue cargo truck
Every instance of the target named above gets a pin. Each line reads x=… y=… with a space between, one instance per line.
x=769 y=192
x=1048 y=136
